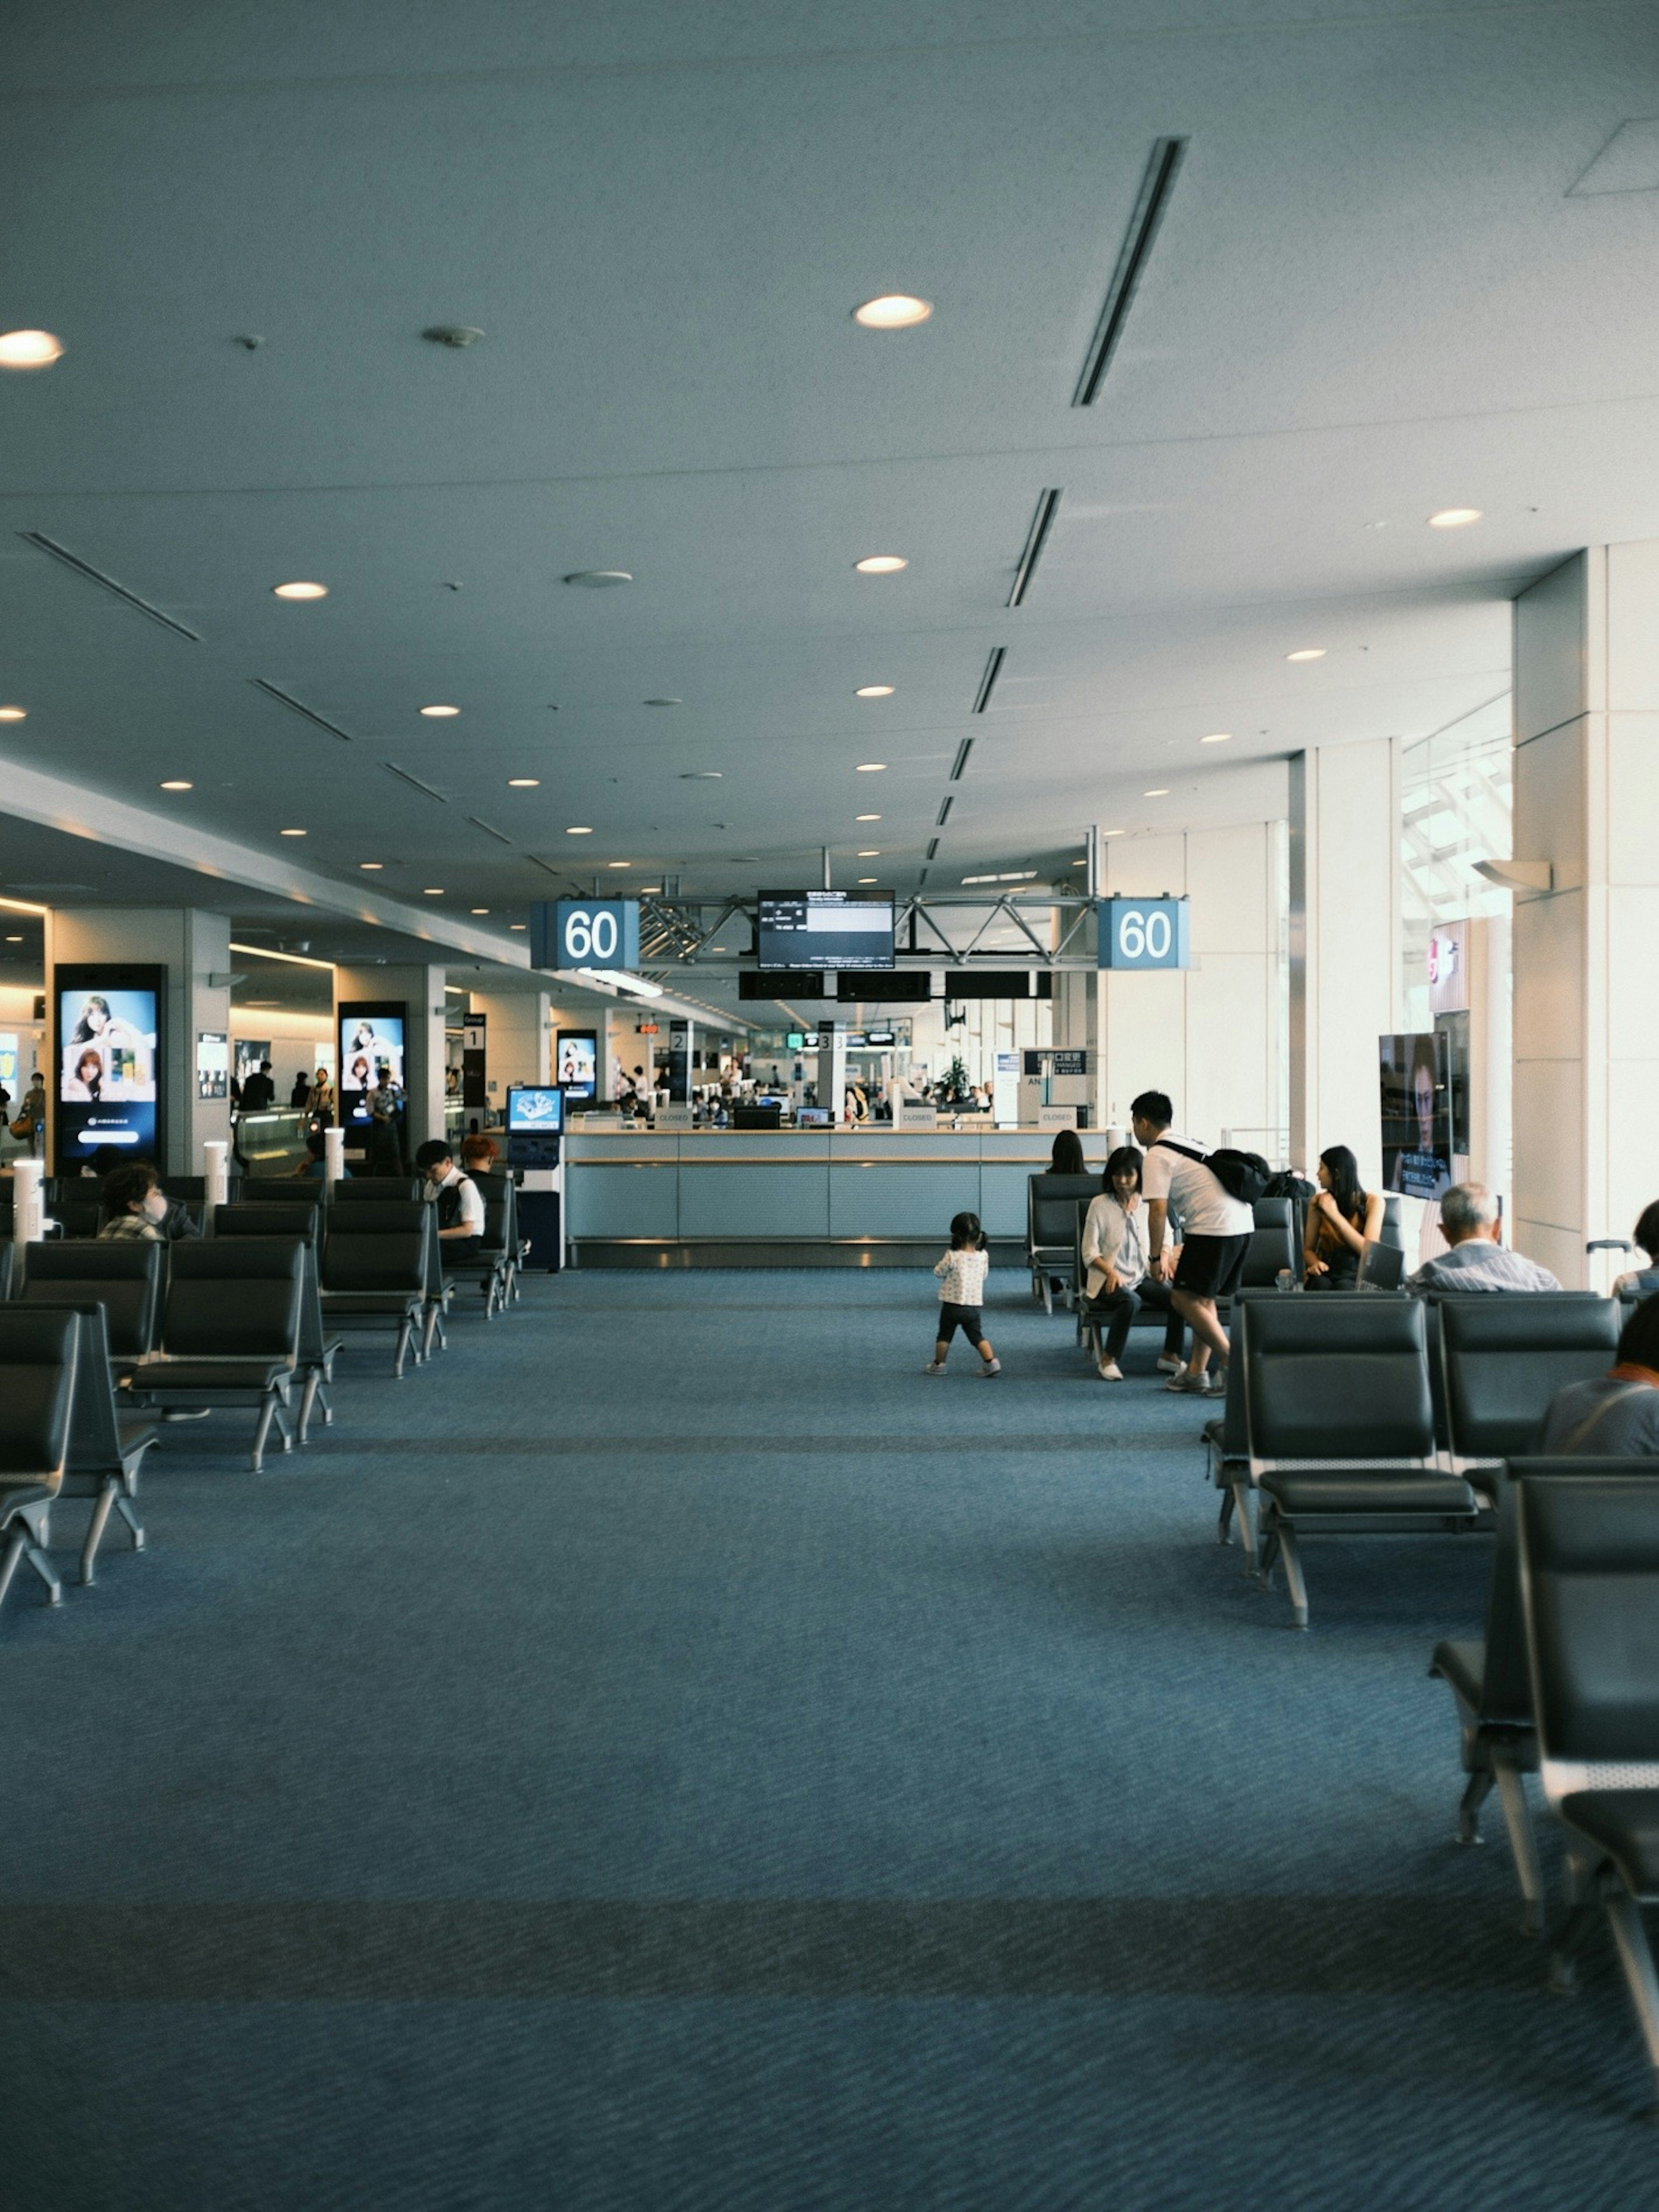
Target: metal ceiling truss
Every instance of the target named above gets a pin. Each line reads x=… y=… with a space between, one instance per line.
x=946 y=929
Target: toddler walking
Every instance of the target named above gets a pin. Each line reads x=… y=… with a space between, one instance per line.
x=962 y=1294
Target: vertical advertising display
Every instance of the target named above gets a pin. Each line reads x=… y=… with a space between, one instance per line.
x=212 y=1064
x=107 y=1054
x=577 y=1063
x=473 y=1078
x=1417 y=1113
x=372 y=1036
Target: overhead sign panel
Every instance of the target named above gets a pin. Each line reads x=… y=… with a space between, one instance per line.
x=821 y=930
x=1144 y=932
x=584 y=933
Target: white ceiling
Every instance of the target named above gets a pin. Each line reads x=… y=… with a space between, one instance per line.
x=1375 y=295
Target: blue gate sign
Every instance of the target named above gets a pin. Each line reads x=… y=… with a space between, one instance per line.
x=1144 y=932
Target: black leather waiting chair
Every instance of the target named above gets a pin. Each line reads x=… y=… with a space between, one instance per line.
x=376 y=1272
x=230 y=1332
x=1227 y=1443
x=315 y=1364
x=489 y=1267
x=1487 y=1676
x=39 y=1354
x=107 y=1445
x=1341 y=1427
x=1052 y=1204
x=1381 y=1267
x=124 y=1276
x=1589 y=1589
x=6 y=1265
x=1503 y=1356
x=375 y=1190
x=75 y=1204
x=282 y=1190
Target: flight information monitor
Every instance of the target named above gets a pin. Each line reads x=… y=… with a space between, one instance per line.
x=537 y=1112
x=824 y=929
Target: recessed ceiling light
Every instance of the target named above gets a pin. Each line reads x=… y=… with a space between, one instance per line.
x=1453 y=518
x=176 y=783
x=523 y=783
x=440 y=714
x=702 y=775
x=1163 y=793
x=870 y=768
x=371 y=866
x=433 y=890
x=300 y=590
x=291 y=833
x=481 y=909
x=578 y=830
x=665 y=702
x=518 y=925
x=893 y=311
x=866 y=818
x=871 y=853
x=881 y=564
x=866 y=879
x=599 y=580
x=875 y=691
x=1112 y=833
x=28 y=350
x=1218 y=738
x=14 y=940
x=13 y=713
x=1307 y=653
x=1083 y=863
x=619 y=864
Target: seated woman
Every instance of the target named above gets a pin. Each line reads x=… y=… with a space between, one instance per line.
x=1065 y=1157
x=1642 y=1282
x=1116 y=1283
x=134 y=1204
x=480 y=1155
x=1342 y=1219
x=1617 y=1415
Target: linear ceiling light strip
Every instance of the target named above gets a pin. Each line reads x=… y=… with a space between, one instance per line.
x=961 y=759
x=1042 y=522
x=299 y=707
x=73 y=561
x=1156 y=187
x=988 y=682
x=414 y=782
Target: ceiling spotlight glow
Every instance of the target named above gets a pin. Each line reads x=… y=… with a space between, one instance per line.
x=13 y=713
x=881 y=564
x=871 y=853
x=1307 y=653
x=1113 y=833
x=866 y=818
x=374 y=867
x=893 y=311
x=433 y=890
x=28 y=350
x=870 y=768
x=176 y=783
x=440 y=714
x=579 y=830
x=866 y=879
x=1453 y=518
x=523 y=783
x=1163 y=793
x=481 y=909
x=518 y=925
x=875 y=691
x=1218 y=738
x=291 y=833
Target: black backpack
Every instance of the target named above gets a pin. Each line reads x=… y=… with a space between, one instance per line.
x=1242 y=1176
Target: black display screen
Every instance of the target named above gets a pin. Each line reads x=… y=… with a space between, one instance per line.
x=819 y=930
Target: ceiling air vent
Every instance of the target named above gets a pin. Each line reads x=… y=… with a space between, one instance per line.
x=1156 y=187
x=1042 y=522
x=80 y=567
x=961 y=759
x=988 y=682
x=414 y=782
x=932 y=849
x=943 y=816
x=299 y=707
x=489 y=830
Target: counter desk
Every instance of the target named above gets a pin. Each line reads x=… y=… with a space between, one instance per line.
x=798 y=1198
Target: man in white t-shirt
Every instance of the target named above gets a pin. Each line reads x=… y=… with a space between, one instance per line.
x=1216 y=1229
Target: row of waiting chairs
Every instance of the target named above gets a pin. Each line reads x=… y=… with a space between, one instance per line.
x=240 y=1318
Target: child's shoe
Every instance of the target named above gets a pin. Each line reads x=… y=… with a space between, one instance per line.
x=989 y=1367
x=935 y=1367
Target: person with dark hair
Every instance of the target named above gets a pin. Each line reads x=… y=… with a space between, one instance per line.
x=259 y=1091
x=457 y=1197
x=961 y=1275
x=1343 y=1217
x=1065 y=1158
x=1114 y=1256
x=1642 y=1282
x=135 y=1205
x=1616 y=1416
x=300 y=1090
x=1216 y=1231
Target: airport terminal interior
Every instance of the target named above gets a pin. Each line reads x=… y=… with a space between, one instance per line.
x=829 y=1262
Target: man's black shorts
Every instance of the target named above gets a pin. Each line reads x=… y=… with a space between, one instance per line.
x=970 y=1319
x=1210 y=1266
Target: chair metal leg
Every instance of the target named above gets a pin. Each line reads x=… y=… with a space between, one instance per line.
x=43 y=1567
x=1523 y=1843
x=285 y=1425
x=429 y=1330
x=128 y=1511
x=1583 y=1900
x=262 y=1430
x=1241 y=1495
x=1630 y=1939
x=100 y=1513
x=1293 y=1580
x=1468 y=1805
x=307 y=1400
x=406 y=1331
x=1224 y=1526
x=16 y=1544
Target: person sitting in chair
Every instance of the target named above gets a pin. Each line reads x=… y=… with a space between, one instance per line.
x=458 y=1198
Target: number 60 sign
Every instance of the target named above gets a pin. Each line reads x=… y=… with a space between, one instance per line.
x=584 y=933
x=1144 y=932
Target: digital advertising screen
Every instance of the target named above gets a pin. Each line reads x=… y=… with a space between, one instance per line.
x=820 y=930
x=108 y=1061
x=212 y=1064
x=371 y=1038
x=535 y=1112
x=1416 y=1108
x=577 y=1062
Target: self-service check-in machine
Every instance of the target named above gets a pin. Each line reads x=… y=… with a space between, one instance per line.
x=535 y=1134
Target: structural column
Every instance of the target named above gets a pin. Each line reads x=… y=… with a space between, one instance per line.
x=421 y=990
x=194 y=948
x=1345 y=945
x=1586 y=980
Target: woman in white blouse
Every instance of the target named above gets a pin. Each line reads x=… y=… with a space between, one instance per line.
x=1115 y=1282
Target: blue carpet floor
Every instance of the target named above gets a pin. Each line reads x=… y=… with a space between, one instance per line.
x=671 y=1753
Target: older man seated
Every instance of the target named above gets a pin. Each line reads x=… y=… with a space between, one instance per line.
x=1477 y=1261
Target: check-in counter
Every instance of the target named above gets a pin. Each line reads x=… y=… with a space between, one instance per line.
x=868 y=1197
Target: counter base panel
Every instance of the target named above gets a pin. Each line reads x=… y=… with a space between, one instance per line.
x=774 y=1251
